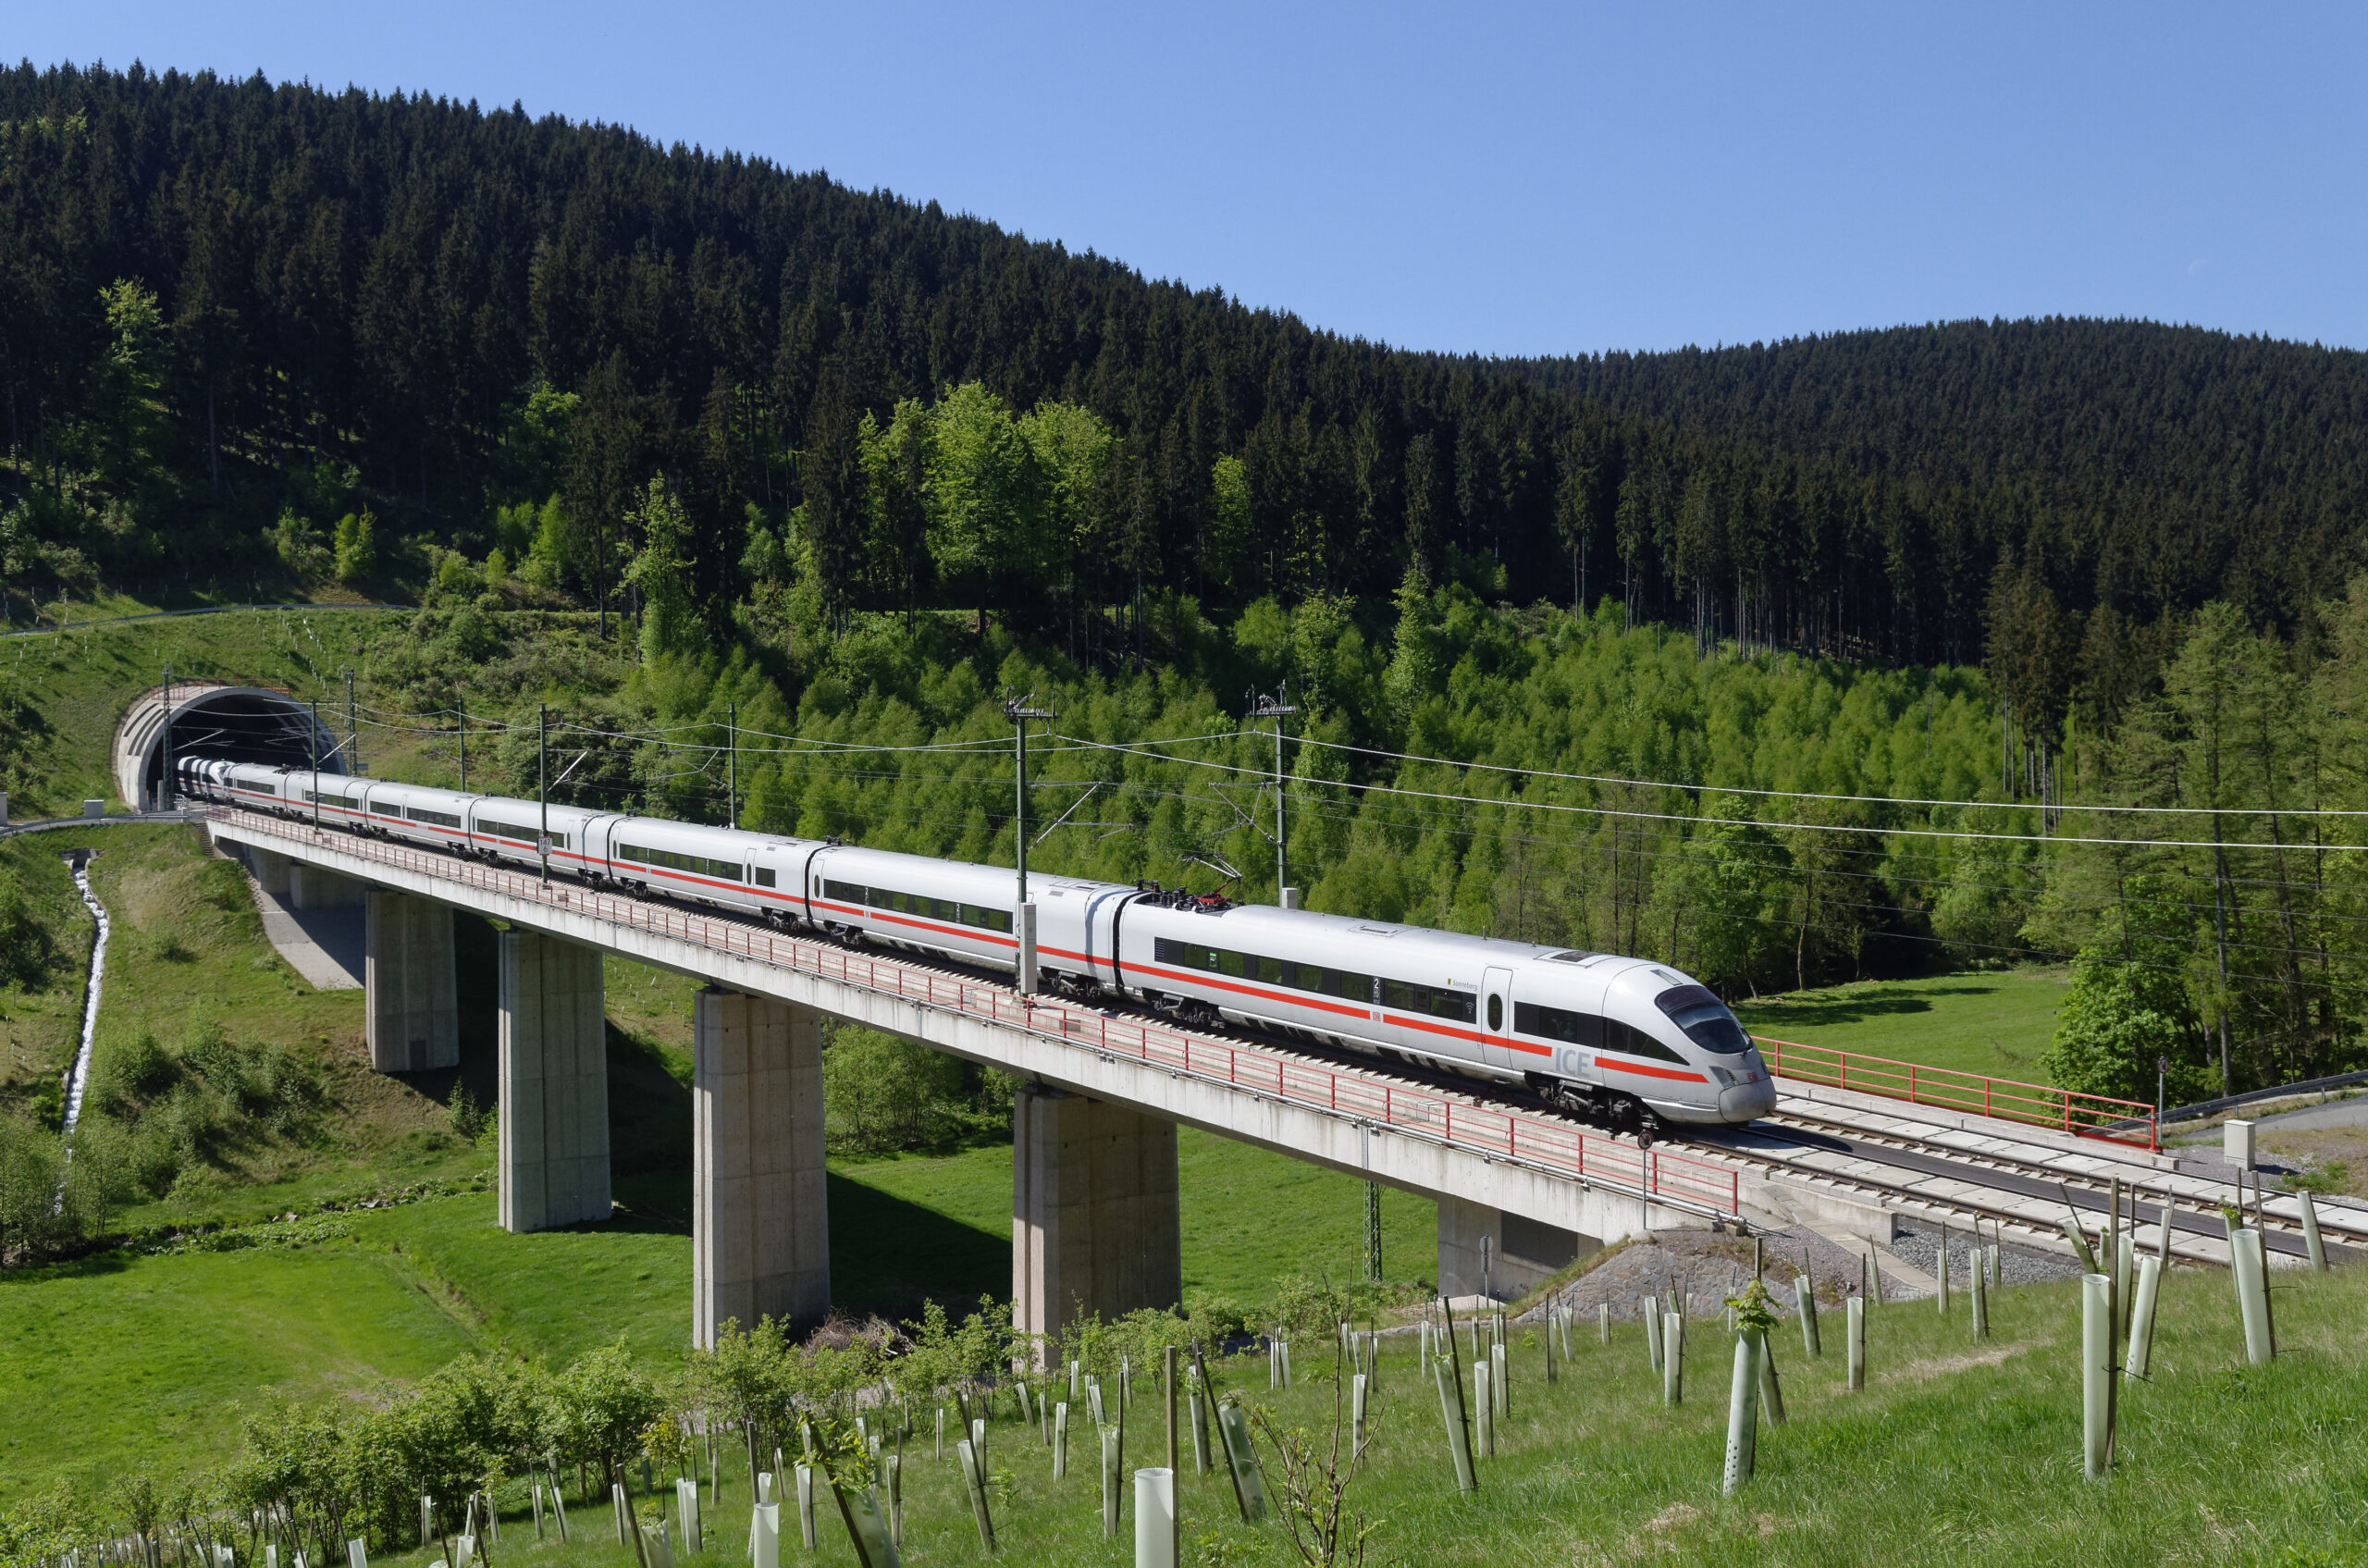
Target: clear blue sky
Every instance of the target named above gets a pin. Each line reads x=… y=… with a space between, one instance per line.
x=1502 y=179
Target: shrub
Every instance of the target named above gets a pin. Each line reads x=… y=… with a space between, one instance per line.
x=300 y=546
x=879 y=1093
x=28 y=950
x=124 y=1075
x=42 y=1527
x=1215 y=1319
x=357 y=545
x=222 y=884
x=29 y=1170
x=470 y=1119
x=174 y=1114
x=1309 y=1309
x=597 y=1410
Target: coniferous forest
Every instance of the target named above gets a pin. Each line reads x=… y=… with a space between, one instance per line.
x=253 y=333
x=220 y=298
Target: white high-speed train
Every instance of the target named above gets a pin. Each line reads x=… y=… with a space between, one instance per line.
x=1619 y=1040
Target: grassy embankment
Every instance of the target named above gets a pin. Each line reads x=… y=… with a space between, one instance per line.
x=41 y=1022
x=79 y=681
x=1957 y=1453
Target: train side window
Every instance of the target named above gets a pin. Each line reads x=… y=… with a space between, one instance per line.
x=1403 y=994
x=844 y=891
x=1348 y=985
x=1240 y=966
x=1278 y=972
x=764 y=876
x=1630 y=1040
x=985 y=919
x=1460 y=1006
x=1496 y=1014
x=1557 y=1023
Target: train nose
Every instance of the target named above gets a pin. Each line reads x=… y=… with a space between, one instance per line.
x=1746 y=1100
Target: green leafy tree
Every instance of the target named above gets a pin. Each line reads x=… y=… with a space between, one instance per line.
x=357 y=545
x=596 y=1410
x=986 y=501
x=128 y=422
x=2133 y=1002
x=1232 y=551
x=880 y=1093
x=664 y=570
x=895 y=459
x=1727 y=896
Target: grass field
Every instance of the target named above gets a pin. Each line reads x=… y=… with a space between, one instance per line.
x=1235 y=1243
x=126 y=1348
x=1992 y=1021
x=125 y=1363
x=1957 y=1453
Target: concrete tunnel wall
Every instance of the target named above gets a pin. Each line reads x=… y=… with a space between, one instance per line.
x=245 y=723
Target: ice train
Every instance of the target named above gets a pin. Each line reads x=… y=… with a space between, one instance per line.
x=1620 y=1041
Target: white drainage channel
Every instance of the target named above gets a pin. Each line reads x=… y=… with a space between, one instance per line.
x=79 y=1078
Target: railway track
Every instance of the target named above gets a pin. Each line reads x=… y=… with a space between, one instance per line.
x=2033 y=1191
x=2022 y=1195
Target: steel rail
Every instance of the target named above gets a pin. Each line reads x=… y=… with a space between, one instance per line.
x=2188 y=1216
x=2339 y=1215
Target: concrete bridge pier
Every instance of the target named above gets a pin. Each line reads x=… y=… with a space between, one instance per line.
x=271 y=868
x=1487 y=1250
x=414 y=1008
x=310 y=887
x=1095 y=1223
x=554 y=1124
x=760 y=1225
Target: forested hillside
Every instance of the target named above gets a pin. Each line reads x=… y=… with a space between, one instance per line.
x=250 y=330
x=851 y=469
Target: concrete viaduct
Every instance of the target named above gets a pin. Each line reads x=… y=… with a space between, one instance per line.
x=1094 y=1217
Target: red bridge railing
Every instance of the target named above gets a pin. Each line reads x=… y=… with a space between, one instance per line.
x=1658 y=1175
x=2035 y=1105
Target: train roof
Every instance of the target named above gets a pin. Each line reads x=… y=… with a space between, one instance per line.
x=1244 y=925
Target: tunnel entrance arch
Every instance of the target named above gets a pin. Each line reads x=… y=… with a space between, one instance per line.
x=240 y=723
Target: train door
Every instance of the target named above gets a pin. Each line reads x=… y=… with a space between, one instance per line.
x=1496 y=1022
x=1102 y=935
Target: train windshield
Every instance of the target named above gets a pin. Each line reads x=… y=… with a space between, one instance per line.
x=1704 y=1020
